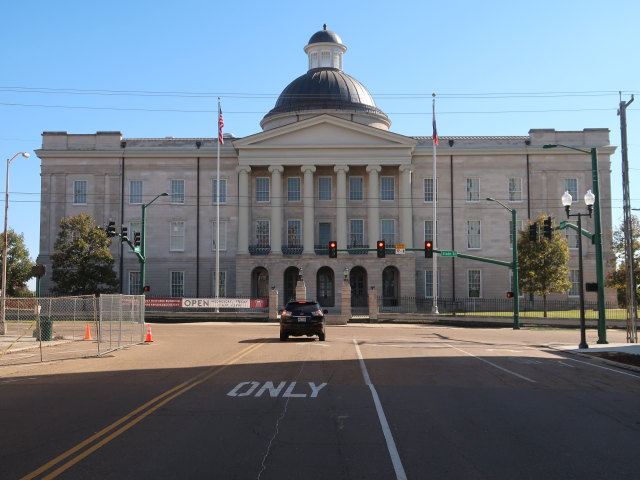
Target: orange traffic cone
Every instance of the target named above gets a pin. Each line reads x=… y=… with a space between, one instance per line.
x=87 y=333
x=149 y=337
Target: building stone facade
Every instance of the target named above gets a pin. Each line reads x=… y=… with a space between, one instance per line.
x=319 y=171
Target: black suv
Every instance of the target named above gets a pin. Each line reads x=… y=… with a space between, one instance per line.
x=302 y=317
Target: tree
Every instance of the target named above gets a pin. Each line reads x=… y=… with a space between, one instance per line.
x=82 y=263
x=617 y=276
x=18 y=264
x=543 y=265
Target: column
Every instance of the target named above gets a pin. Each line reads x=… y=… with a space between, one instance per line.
x=308 y=219
x=373 y=205
x=243 y=209
x=341 y=205
x=406 y=206
x=276 y=208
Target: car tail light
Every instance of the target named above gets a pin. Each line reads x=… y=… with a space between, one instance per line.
x=317 y=313
x=286 y=313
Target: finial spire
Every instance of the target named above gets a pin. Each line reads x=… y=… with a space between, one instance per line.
x=324 y=27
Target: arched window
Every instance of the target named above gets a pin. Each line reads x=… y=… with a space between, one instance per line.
x=260 y=283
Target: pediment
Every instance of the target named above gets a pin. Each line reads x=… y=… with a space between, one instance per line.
x=324 y=131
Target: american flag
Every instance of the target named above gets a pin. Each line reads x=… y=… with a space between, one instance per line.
x=220 y=125
x=435 y=129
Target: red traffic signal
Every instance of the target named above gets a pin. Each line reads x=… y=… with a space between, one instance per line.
x=428 y=249
x=146 y=288
x=509 y=294
x=381 y=248
x=333 y=250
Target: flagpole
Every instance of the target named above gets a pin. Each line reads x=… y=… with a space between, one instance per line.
x=220 y=139
x=434 y=274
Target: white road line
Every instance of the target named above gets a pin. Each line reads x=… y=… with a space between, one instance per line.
x=494 y=365
x=391 y=444
x=605 y=368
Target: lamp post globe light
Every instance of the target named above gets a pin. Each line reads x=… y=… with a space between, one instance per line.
x=143 y=242
x=515 y=288
x=589 y=199
x=597 y=237
x=3 y=328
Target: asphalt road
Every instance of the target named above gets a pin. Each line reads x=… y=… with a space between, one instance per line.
x=230 y=401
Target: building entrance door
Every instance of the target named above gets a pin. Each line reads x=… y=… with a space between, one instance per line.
x=358 y=281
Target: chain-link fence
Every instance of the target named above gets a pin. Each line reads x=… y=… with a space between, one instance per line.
x=45 y=329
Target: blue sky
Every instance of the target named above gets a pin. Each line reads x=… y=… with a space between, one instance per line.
x=498 y=68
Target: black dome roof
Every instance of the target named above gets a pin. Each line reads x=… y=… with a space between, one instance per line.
x=325 y=35
x=325 y=88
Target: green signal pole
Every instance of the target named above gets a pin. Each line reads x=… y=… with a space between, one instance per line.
x=142 y=253
x=597 y=238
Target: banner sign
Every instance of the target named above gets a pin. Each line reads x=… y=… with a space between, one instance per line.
x=206 y=302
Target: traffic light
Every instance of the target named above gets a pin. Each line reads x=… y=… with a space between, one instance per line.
x=509 y=294
x=136 y=239
x=547 y=230
x=146 y=288
x=381 y=248
x=533 y=232
x=333 y=250
x=123 y=231
x=428 y=249
x=111 y=229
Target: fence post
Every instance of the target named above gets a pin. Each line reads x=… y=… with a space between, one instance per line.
x=373 y=305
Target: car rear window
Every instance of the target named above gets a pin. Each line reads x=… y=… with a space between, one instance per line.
x=298 y=308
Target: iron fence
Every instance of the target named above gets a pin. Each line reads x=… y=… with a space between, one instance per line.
x=45 y=329
x=497 y=307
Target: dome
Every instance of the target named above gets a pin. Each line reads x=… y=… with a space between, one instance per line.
x=325 y=36
x=325 y=88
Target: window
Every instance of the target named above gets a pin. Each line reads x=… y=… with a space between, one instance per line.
x=293 y=189
x=474 y=283
x=473 y=189
x=356 y=233
x=135 y=192
x=262 y=189
x=428 y=232
x=176 y=284
x=263 y=231
x=388 y=232
x=387 y=188
x=324 y=188
x=473 y=234
x=294 y=233
x=80 y=192
x=571 y=186
x=223 y=236
x=429 y=191
x=324 y=234
x=176 y=242
x=574 y=278
x=572 y=237
x=355 y=188
x=223 y=191
x=134 y=283
x=428 y=283
x=177 y=191
x=515 y=189
x=222 y=284
x=519 y=227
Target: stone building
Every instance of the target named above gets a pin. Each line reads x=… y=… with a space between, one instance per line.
x=325 y=167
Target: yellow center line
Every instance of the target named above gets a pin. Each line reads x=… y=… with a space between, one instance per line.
x=146 y=409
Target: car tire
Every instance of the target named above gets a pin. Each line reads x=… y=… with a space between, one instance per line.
x=283 y=336
x=321 y=336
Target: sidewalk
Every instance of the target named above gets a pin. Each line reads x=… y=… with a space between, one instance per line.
x=625 y=353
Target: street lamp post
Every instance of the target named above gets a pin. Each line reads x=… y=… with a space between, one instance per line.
x=597 y=238
x=3 y=327
x=514 y=264
x=589 y=199
x=142 y=257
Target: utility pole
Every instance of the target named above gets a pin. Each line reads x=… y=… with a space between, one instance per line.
x=632 y=313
